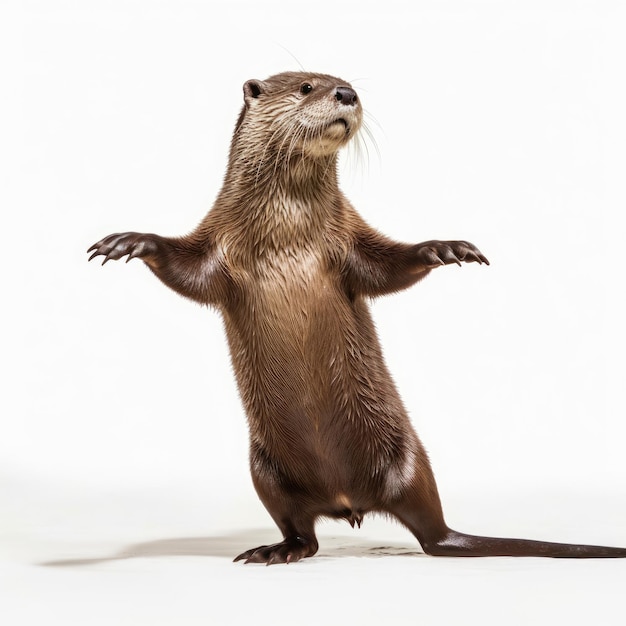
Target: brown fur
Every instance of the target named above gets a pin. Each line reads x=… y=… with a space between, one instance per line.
x=290 y=265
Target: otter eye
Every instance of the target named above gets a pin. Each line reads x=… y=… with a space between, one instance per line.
x=306 y=88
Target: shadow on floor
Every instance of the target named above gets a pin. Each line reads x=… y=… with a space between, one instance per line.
x=228 y=546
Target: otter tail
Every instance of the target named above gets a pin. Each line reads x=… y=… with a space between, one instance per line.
x=421 y=512
x=460 y=544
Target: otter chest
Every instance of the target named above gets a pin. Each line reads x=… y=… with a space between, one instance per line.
x=278 y=290
x=284 y=291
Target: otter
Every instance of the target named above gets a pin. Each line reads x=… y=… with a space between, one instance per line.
x=291 y=265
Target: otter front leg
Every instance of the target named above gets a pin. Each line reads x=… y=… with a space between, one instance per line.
x=184 y=265
x=378 y=265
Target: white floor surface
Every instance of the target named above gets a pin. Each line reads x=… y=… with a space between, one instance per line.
x=134 y=557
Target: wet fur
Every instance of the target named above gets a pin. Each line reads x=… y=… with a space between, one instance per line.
x=291 y=265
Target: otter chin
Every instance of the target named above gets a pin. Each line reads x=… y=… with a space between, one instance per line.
x=341 y=124
x=332 y=138
x=291 y=266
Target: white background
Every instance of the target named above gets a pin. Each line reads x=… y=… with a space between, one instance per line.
x=496 y=122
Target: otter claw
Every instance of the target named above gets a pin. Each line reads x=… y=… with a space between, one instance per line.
x=286 y=551
x=116 y=246
x=436 y=253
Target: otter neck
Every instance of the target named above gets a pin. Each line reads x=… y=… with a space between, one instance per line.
x=284 y=204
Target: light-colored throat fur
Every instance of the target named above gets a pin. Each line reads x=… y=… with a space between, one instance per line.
x=286 y=211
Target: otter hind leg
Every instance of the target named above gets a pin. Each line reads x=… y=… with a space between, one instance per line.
x=289 y=550
x=299 y=542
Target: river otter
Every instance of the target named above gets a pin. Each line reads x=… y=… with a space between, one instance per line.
x=290 y=265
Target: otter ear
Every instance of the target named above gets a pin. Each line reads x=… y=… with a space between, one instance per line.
x=252 y=89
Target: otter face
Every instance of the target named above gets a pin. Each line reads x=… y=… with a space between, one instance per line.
x=299 y=113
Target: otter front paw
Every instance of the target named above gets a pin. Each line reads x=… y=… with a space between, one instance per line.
x=434 y=253
x=121 y=244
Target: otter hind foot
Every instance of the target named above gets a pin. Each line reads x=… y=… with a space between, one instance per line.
x=289 y=550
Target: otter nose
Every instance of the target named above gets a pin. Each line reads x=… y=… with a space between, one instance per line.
x=346 y=96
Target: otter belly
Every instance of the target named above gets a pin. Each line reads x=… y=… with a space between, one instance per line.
x=322 y=409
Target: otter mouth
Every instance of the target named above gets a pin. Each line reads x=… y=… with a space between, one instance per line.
x=343 y=122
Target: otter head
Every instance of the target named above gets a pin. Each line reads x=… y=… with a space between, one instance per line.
x=299 y=114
